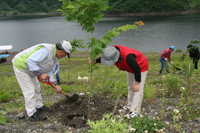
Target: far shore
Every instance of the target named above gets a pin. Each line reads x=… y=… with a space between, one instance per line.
x=112 y=15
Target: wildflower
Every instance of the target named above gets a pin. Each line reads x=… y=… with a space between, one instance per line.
x=155 y=124
x=183 y=88
x=176 y=111
x=167 y=122
x=146 y=131
x=156 y=113
x=81 y=94
x=141 y=116
x=185 y=108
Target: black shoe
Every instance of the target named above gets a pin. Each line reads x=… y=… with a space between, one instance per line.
x=160 y=72
x=37 y=117
x=43 y=108
x=58 y=82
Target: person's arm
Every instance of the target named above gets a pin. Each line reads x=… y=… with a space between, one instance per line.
x=56 y=69
x=36 y=58
x=98 y=60
x=170 y=57
x=134 y=66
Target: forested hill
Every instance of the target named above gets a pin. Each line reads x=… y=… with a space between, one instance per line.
x=115 y=6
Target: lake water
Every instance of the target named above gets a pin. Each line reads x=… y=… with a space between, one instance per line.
x=159 y=32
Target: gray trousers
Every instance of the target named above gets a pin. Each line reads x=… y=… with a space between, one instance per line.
x=31 y=91
x=135 y=98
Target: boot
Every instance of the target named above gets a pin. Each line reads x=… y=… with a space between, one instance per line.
x=43 y=108
x=160 y=72
x=37 y=117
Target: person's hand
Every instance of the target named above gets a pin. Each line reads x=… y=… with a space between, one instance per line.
x=171 y=62
x=44 y=76
x=165 y=58
x=136 y=87
x=58 y=89
x=90 y=60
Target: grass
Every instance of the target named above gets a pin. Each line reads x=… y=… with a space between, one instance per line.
x=109 y=81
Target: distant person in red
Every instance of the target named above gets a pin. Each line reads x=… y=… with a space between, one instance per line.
x=166 y=54
x=194 y=54
x=136 y=65
x=6 y=51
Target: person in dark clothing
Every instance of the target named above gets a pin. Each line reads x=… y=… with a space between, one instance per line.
x=136 y=65
x=194 y=54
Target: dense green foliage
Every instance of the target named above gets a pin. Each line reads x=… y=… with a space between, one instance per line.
x=30 y=6
x=115 y=6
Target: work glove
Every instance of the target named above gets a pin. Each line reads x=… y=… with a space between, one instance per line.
x=165 y=58
x=171 y=62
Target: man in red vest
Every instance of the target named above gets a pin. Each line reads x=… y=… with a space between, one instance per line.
x=136 y=65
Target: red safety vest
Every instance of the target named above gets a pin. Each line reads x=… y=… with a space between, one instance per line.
x=139 y=57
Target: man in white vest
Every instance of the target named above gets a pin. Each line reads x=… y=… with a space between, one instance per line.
x=38 y=62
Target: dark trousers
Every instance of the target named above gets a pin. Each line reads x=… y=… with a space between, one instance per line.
x=195 y=63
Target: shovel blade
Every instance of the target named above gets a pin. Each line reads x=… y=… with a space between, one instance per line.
x=73 y=98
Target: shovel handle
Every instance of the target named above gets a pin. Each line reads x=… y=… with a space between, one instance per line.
x=48 y=82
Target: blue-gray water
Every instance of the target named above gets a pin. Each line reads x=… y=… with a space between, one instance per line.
x=159 y=32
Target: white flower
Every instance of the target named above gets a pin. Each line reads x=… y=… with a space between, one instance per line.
x=81 y=94
x=155 y=124
x=183 y=88
x=132 y=129
x=79 y=78
x=143 y=109
x=185 y=108
x=141 y=116
x=146 y=131
x=176 y=111
x=167 y=122
x=85 y=79
x=161 y=130
x=163 y=76
x=156 y=113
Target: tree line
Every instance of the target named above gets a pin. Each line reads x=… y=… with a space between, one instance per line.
x=115 y=6
x=30 y=6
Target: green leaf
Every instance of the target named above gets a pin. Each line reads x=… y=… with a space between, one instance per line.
x=2 y=112
x=2 y=119
x=104 y=7
x=134 y=26
x=70 y=6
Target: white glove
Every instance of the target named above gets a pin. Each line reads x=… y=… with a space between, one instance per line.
x=171 y=62
x=165 y=58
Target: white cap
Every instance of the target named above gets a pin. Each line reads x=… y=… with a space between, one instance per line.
x=66 y=46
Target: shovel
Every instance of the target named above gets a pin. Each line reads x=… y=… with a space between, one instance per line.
x=73 y=98
x=175 y=67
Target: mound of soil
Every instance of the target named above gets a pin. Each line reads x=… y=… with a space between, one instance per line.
x=75 y=113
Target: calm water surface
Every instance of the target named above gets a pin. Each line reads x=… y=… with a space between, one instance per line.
x=159 y=32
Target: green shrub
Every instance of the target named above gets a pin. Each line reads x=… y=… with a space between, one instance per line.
x=178 y=50
x=4 y=96
x=108 y=125
x=149 y=92
x=172 y=84
x=146 y=124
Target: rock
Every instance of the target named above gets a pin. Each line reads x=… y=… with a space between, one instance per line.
x=21 y=115
x=197 y=120
x=47 y=126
